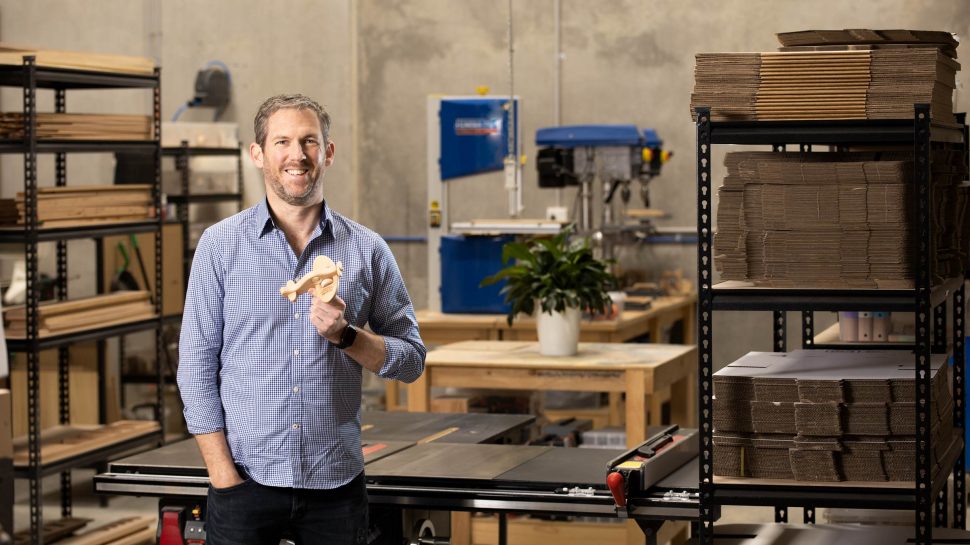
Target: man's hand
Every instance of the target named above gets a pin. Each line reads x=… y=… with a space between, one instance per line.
x=328 y=318
x=225 y=479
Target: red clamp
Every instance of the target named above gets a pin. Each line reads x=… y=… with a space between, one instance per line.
x=615 y=482
x=170 y=527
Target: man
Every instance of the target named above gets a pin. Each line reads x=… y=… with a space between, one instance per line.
x=272 y=388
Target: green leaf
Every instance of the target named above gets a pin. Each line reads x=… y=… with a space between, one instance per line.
x=554 y=274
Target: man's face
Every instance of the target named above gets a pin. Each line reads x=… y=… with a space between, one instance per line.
x=294 y=157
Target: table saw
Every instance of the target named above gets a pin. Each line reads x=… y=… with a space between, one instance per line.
x=416 y=462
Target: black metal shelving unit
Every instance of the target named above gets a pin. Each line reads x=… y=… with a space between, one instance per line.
x=30 y=78
x=926 y=301
x=182 y=154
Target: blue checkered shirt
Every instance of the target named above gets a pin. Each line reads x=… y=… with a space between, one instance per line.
x=251 y=362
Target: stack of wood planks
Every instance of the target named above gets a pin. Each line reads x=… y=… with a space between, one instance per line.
x=62 y=442
x=54 y=126
x=96 y=62
x=126 y=531
x=831 y=82
x=77 y=206
x=80 y=314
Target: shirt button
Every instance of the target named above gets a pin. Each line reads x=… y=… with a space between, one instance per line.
x=296 y=352
x=296 y=426
x=296 y=389
x=297 y=315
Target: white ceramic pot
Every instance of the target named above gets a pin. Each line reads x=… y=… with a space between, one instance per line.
x=558 y=332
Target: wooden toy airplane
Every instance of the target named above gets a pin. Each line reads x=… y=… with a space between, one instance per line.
x=323 y=280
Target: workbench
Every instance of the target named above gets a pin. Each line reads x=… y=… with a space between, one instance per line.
x=437 y=328
x=649 y=375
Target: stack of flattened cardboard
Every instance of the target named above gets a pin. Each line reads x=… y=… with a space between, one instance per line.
x=52 y=126
x=96 y=62
x=729 y=80
x=81 y=314
x=824 y=85
x=846 y=81
x=867 y=39
x=74 y=206
x=834 y=219
x=820 y=415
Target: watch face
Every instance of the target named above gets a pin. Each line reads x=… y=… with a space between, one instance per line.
x=348 y=336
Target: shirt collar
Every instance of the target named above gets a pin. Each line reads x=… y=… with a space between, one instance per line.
x=265 y=224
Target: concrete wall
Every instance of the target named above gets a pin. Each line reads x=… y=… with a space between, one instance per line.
x=373 y=63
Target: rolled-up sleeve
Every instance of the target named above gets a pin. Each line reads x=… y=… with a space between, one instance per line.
x=392 y=316
x=200 y=342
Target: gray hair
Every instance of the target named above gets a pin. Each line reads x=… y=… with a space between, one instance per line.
x=297 y=102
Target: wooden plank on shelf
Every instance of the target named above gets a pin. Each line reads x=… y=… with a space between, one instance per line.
x=52 y=530
x=93 y=222
x=13 y=54
x=47 y=215
x=63 y=307
x=79 y=126
x=112 y=532
x=143 y=537
x=63 y=442
x=98 y=315
x=93 y=188
x=84 y=387
x=20 y=334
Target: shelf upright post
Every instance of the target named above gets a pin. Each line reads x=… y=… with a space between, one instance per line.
x=939 y=347
x=705 y=321
x=160 y=348
x=63 y=353
x=780 y=331
x=33 y=298
x=923 y=277
x=808 y=329
x=959 y=379
x=182 y=165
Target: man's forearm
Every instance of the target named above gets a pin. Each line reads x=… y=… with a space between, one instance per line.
x=218 y=459
x=368 y=350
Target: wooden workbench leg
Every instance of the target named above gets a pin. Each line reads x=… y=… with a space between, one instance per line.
x=461 y=528
x=656 y=331
x=657 y=399
x=690 y=324
x=636 y=407
x=616 y=409
x=419 y=393
x=391 y=398
x=683 y=401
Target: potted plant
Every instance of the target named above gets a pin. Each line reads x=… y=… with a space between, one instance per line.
x=561 y=278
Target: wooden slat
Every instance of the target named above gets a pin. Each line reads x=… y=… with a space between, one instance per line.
x=98 y=62
x=112 y=532
x=62 y=307
x=52 y=530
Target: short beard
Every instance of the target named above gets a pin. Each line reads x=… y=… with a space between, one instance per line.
x=293 y=200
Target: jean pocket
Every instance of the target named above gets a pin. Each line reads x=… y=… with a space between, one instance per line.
x=233 y=488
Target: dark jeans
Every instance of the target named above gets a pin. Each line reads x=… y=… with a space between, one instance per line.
x=253 y=514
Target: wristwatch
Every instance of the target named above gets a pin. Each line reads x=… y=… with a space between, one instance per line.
x=348 y=337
